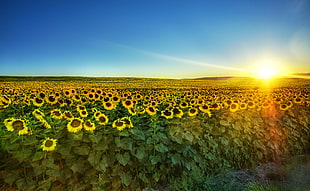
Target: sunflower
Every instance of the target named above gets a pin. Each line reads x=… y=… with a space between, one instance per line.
x=80 y=108
x=38 y=102
x=67 y=93
x=297 y=100
x=177 y=112
x=204 y=108
x=132 y=111
x=38 y=114
x=16 y=124
x=251 y=104
x=51 y=99
x=8 y=124
x=215 y=106
x=192 y=111
x=127 y=121
x=168 y=114
x=115 y=99
x=290 y=104
x=151 y=110
x=49 y=144
x=266 y=105
x=83 y=113
x=127 y=103
x=119 y=124
x=94 y=110
x=41 y=95
x=109 y=105
x=90 y=96
x=76 y=98
x=45 y=123
x=284 y=107
x=75 y=125
x=140 y=110
x=102 y=119
x=183 y=104
x=56 y=114
x=89 y=126
x=278 y=100
x=243 y=105
x=68 y=115
x=97 y=114
x=234 y=107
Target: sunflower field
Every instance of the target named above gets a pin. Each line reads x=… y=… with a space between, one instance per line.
x=134 y=133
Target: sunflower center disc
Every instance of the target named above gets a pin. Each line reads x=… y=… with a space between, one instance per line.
x=18 y=125
x=75 y=123
x=48 y=143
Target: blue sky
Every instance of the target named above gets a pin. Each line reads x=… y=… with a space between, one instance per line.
x=153 y=38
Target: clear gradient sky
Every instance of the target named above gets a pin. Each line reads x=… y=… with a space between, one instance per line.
x=153 y=38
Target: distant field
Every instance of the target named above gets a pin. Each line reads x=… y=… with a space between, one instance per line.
x=71 y=133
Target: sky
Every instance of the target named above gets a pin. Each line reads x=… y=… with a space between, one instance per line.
x=153 y=38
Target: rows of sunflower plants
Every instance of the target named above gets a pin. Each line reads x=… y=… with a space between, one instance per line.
x=94 y=136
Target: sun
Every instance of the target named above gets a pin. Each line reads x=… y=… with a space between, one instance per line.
x=265 y=69
x=265 y=72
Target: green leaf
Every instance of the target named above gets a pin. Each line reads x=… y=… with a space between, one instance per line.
x=124 y=133
x=139 y=152
x=138 y=135
x=65 y=149
x=142 y=176
x=161 y=148
x=156 y=176
x=175 y=159
x=55 y=172
x=94 y=158
x=22 y=155
x=78 y=167
x=155 y=159
x=95 y=138
x=188 y=136
x=224 y=141
x=123 y=158
x=76 y=136
x=38 y=170
x=31 y=140
x=38 y=156
x=104 y=163
x=10 y=178
x=49 y=162
x=83 y=150
x=124 y=143
x=126 y=178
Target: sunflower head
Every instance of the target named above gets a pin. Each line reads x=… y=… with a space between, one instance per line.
x=177 y=112
x=119 y=124
x=38 y=101
x=68 y=115
x=192 y=111
x=75 y=125
x=38 y=114
x=243 y=105
x=83 y=113
x=127 y=122
x=103 y=120
x=151 y=110
x=56 y=114
x=128 y=103
x=89 y=126
x=16 y=124
x=234 y=107
x=49 y=144
x=109 y=105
